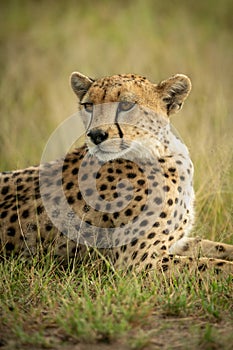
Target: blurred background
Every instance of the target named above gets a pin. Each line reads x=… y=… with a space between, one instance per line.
x=42 y=42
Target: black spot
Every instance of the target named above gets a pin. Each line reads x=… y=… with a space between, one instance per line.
x=172 y=170
x=202 y=267
x=89 y=192
x=79 y=196
x=69 y=185
x=110 y=178
x=97 y=175
x=39 y=210
x=10 y=231
x=179 y=189
x=156 y=242
x=128 y=197
x=165 y=260
x=144 y=256
x=163 y=215
x=70 y=200
x=65 y=167
x=148 y=266
x=170 y=202
x=163 y=247
x=164 y=268
x=166 y=188
x=128 y=212
x=118 y=171
x=128 y=166
x=5 y=190
x=75 y=171
x=103 y=187
x=182 y=178
x=25 y=214
x=84 y=177
x=220 y=248
x=119 y=204
x=170 y=238
x=13 y=218
x=131 y=175
x=105 y=217
x=10 y=246
x=48 y=227
x=138 y=198
x=134 y=255
x=150 y=213
x=144 y=223
x=161 y=160
x=121 y=185
x=158 y=200
x=156 y=224
x=151 y=235
x=166 y=231
x=148 y=191
x=141 y=182
x=116 y=215
x=59 y=182
x=142 y=245
x=4 y=214
x=134 y=242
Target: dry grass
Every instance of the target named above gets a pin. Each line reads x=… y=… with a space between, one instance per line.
x=41 y=44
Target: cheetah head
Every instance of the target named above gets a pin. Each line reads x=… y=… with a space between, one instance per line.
x=127 y=115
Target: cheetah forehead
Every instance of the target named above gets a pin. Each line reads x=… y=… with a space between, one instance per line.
x=166 y=97
x=118 y=87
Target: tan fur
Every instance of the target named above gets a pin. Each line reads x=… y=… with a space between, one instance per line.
x=142 y=225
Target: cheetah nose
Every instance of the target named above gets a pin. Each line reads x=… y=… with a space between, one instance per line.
x=97 y=136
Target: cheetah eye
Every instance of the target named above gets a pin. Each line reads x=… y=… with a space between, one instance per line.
x=125 y=106
x=88 y=106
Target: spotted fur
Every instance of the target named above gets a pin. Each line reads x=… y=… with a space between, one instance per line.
x=127 y=191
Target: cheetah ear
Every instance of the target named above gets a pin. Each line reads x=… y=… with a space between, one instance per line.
x=174 y=91
x=80 y=84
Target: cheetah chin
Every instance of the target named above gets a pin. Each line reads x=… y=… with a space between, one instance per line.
x=137 y=151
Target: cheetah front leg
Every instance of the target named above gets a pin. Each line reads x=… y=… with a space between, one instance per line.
x=196 y=247
x=174 y=265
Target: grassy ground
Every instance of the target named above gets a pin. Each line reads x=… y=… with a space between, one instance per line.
x=41 y=43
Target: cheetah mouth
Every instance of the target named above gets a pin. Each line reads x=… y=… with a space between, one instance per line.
x=108 y=153
x=111 y=149
x=115 y=149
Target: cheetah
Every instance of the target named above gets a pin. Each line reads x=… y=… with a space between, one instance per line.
x=127 y=191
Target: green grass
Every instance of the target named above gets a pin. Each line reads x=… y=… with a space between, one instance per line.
x=43 y=305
